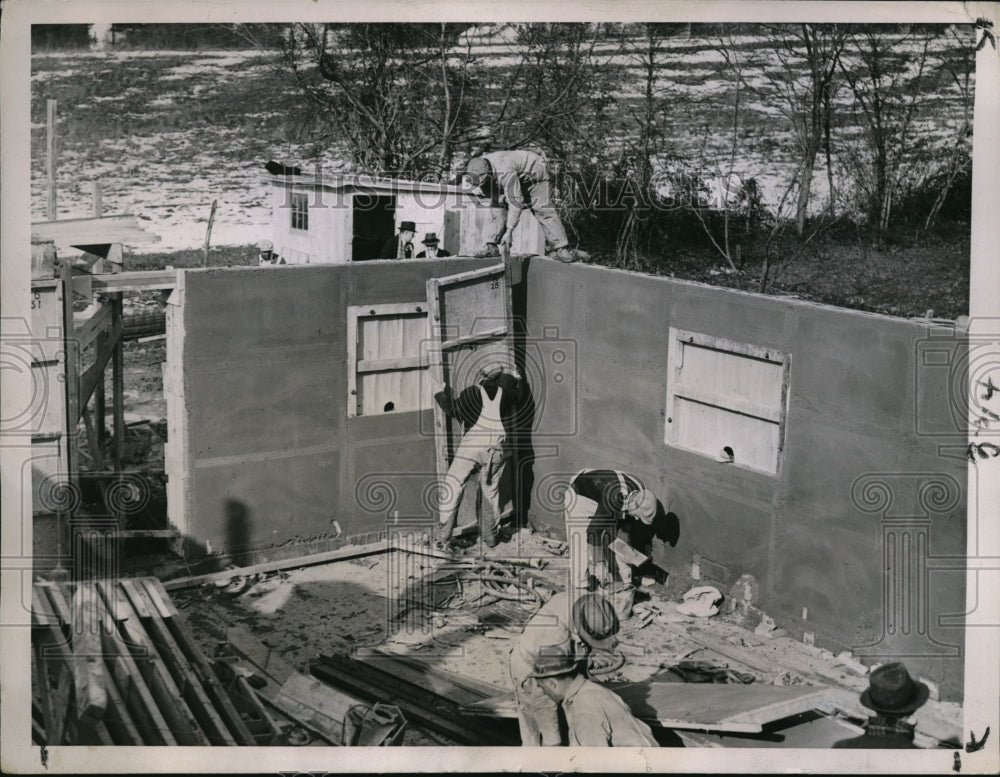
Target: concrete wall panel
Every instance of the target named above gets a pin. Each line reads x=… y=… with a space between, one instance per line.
x=858 y=389
x=271 y=456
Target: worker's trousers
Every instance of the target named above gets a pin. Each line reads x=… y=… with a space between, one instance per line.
x=589 y=543
x=538 y=199
x=488 y=454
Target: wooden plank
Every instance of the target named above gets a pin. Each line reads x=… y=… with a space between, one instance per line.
x=323 y=709
x=51 y=164
x=199 y=664
x=474 y=339
x=460 y=689
x=117 y=718
x=93 y=326
x=418 y=705
x=48 y=649
x=473 y=275
x=164 y=690
x=268 y=661
x=93 y=376
x=118 y=384
x=89 y=674
x=122 y=228
x=438 y=378
x=138 y=700
x=71 y=391
x=389 y=365
x=698 y=706
x=191 y=688
x=351 y=551
x=140 y=280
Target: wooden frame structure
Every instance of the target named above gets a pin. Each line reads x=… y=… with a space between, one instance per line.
x=70 y=360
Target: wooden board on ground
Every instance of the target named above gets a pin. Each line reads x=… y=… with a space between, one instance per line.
x=702 y=706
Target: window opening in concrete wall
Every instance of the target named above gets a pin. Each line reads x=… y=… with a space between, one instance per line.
x=726 y=400
x=387 y=366
x=300 y=211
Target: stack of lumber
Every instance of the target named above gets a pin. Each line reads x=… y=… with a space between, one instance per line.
x=115 y=664
x=429 y=697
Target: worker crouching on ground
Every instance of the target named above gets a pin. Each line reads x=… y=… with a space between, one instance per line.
x=519 y=181
x=603 y=505
x=595 y=716
x=894 y=695
x=590 y=622
x=488 y=411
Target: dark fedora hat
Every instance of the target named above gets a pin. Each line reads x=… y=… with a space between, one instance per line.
x=891 y=691
x=596 y=621
x=407 y=226
x=430 y=239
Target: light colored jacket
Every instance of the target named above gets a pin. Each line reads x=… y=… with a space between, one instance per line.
x=597 y=717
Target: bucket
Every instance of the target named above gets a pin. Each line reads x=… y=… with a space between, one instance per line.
x=621 y=595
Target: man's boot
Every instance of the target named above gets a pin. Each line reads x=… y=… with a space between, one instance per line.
x=568 y=255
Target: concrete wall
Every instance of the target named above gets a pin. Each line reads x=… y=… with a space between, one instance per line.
x=266 y=455
x=872 y=477
x=863 y=485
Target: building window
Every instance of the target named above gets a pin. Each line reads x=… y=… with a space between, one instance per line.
x=387 y=359
x=300 y=211
x=727 y=400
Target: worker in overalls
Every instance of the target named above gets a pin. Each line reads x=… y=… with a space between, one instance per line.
x=488 y=411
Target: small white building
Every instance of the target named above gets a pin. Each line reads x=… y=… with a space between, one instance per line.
x=348 y=218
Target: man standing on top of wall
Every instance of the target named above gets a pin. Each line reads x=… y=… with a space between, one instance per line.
x=519 y=180
x=488 y=412
x=603 y=505
x=400 y=246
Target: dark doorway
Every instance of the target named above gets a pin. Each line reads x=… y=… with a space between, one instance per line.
x=374 y=223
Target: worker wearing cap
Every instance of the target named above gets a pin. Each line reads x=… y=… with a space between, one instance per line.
x=600 y=506
x=266 y=255
x=587 y=619
x=519 y=180
x=894 y=696
x=400 y=246
x=488 y=412
x=595 y=716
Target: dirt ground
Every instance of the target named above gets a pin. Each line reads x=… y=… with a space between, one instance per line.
x=337 y=607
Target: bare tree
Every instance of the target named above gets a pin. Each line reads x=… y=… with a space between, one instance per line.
x=394 y=94
x=644 y=142
x=886 y=69
x=800 y=88
x=958 y=65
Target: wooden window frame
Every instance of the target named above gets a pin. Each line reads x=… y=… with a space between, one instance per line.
x=705 y=395
x=299 y=204
x=355 y=368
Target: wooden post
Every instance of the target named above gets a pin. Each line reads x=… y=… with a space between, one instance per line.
x=118 y=383
x=208 y=234
x=98 y=199
x=51 y=159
